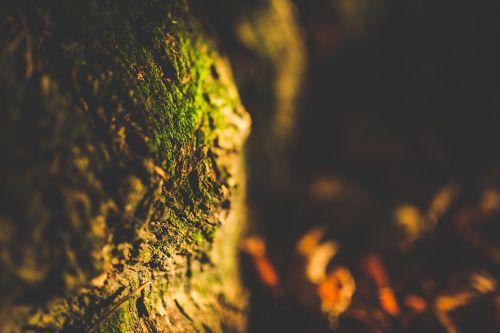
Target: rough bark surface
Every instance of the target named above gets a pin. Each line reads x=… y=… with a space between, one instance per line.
x=266 y=47
x=121 y=170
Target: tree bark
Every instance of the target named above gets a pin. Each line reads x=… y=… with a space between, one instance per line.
x=265 y=44
x=122 y=184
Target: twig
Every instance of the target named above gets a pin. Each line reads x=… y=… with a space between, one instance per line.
x=115 y=307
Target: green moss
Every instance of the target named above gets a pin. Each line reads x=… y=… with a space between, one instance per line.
x=154 y=54
x=124 y=319
x=123 y=143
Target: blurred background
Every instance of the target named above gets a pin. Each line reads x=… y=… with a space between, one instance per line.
x=375 y=142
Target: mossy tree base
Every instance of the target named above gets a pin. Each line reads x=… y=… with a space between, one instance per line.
x=122 y=187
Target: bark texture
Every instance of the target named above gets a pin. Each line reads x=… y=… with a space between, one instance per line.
x=122 y=186
x=266 y=47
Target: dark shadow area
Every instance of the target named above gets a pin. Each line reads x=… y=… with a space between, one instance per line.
x=396 y=154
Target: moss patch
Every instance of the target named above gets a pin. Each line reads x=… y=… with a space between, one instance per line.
x=116 y=130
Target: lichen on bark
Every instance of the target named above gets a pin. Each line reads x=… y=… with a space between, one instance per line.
x=121 y=169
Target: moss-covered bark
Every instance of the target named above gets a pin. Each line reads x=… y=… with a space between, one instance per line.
x=266 y=47
x=121 y=171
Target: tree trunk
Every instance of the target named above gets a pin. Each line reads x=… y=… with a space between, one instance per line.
x=122 y=185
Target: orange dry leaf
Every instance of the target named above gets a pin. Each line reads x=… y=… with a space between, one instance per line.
x=376 y=270
x=256 y=248
x=308 y=243
x=317 y=254
x=336 y=291
x=388 y=301
x=451 y=301
x=317 y=261
x=266 y=271
x=416 y=303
